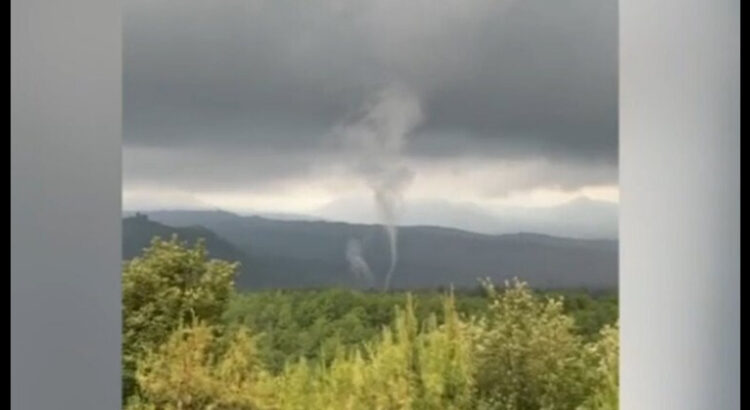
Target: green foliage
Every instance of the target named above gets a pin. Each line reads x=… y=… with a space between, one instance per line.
x=446 y=361
x=312 y=324
x=529 y=354
x=191 y=371
x=591 y=312
x=170 y=283
x=403 y=368
x=605 y=353
x=510 y=348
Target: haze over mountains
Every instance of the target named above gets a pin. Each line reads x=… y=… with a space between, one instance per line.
x=294 y=253
x=579 y=218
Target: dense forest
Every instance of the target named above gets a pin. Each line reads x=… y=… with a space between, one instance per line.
x=191 y=340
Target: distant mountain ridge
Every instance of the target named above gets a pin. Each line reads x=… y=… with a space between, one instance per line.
x=138 y=231
x=299 y=253
x=580 y=218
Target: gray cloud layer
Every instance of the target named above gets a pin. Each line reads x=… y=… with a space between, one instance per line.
x=241 y=94
x=524 y=77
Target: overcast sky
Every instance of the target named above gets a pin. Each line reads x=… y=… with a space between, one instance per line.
x=240 y=105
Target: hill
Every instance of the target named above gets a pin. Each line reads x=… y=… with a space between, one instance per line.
x=305 y=254
x=138 y=230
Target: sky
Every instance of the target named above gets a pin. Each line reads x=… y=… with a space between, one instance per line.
x=493 y=116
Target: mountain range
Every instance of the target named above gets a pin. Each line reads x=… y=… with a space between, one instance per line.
x=580 y=218
x=276 y=253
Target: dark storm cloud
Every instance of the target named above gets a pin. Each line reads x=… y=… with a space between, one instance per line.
x=267 y=80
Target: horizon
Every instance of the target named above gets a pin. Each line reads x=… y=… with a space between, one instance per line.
x=281 y=217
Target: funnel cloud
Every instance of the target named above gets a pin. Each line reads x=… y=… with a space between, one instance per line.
x=357 y=263
x=377 y=139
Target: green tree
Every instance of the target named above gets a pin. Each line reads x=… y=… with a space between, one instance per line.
x=529 y=356
x=193 y=370
x=605 y=367
x=169 y=283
